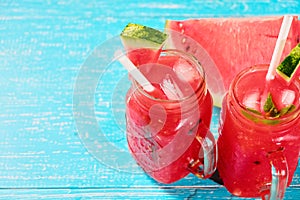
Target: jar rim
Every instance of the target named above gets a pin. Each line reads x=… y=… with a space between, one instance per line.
x=200 y=87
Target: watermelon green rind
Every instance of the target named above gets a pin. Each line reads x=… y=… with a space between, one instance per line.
x=140 y=36
x=142 y=44
x=290 y=64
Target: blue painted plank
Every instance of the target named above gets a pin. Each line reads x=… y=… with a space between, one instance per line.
x=43 y=45
x=170 y=193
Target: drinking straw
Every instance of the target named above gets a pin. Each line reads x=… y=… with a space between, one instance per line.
x=134 y=72
x=284 y=31
x=169 y=87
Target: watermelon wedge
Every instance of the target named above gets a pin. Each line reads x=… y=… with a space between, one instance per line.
x=142 y=44
x=290 y=65
x=232 y=44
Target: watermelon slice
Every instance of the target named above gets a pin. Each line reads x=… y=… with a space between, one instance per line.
x=232 y=43
x=142 y=44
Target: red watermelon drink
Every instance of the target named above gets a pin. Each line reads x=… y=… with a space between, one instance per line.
x=167 y=129
x=256 y=142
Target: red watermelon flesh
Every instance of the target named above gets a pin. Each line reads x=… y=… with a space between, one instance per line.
x=142 y=56
x=232 y=43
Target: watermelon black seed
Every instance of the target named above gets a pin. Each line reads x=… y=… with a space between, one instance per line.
x=256 y=162
x=187 y=48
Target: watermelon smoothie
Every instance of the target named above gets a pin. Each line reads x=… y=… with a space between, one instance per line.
x=167 y=136
x=250 y=144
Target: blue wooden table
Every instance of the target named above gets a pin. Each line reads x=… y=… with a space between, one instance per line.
x=54 y=147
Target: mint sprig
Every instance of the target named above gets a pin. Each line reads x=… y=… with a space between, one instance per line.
x=270 y=112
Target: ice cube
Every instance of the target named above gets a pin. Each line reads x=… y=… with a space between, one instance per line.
x=188 y=74
x=185 y=71
x=170 y=88
x=252 y=100
x=288 y=97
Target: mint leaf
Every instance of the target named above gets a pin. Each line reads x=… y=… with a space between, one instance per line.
x=257 y=119
x=254 y=111
x=287 y=109
x=250 y=116
x=269 y=107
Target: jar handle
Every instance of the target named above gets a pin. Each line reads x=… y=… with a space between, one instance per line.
x=279 y=170
x=205 y=165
